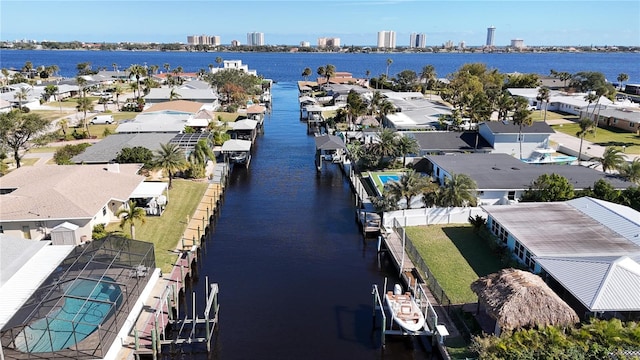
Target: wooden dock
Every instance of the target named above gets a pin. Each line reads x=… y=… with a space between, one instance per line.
x=201 y=218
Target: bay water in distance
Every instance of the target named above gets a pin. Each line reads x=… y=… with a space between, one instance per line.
x=294 y=272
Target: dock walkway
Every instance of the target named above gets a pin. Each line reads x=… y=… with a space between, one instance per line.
x=155 y=312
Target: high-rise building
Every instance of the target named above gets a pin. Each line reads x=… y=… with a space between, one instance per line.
x=328 y=42
x=517 y=43
x=387 y=39
x=255 y=39
x=203 y=40
x=491 y=32
x=417 y=40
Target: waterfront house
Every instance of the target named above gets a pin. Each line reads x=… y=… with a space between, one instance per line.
x=508 y=138
x=503 y=179
x=113 y=277
x=168 y=116
x=587 y=249
x=107 y=149
x=36 y=199
x=413 y=112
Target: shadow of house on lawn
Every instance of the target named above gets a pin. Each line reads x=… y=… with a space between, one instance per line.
x=476 y=250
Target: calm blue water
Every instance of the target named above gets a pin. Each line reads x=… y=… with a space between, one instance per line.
x=288 y=67
x=56 y=332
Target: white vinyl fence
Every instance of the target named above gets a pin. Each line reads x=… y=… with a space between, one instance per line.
x=430 y=216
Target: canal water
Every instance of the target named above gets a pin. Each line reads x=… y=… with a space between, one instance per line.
x=295 y=273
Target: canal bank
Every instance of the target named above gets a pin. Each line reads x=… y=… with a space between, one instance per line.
x=294 y=271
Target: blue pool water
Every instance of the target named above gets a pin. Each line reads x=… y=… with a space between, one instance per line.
x=82 y=315
x=385 y=178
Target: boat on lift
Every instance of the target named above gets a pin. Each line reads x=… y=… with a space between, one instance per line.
x=404 y=309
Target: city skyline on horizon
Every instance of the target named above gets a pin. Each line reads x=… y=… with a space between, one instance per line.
x=537 y=22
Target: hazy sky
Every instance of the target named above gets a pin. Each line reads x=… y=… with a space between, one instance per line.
x=355 y=22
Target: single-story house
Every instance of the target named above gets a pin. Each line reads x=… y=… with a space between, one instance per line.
x=503 y=179
x=588 y=249
x=106 y=150
x=36 y=199
x=626 y=119
x=558 y=100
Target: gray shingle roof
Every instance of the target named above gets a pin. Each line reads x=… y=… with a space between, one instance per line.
x=450 y=141
x=508 y=127
x=501 y=171
x=108 y=148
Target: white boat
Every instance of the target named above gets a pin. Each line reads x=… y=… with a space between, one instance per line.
x=404 y=309
x=548 y=156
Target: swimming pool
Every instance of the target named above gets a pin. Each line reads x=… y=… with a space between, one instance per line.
x=87 y=303
x=385 y=178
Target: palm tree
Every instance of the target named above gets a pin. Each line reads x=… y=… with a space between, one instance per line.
x=174 y=95
x=505 y=104
x=622 y=77
x=389 y=62
x=428 y=74
x=170 y=158
x=305 y=73
x=326 y=72
x=84 y=105
x=407 y=145
x=631 y=171
x=64 y=124
x=218 y=60
x=166 y=67
x=458 y=190
x=114 y=66
x=409 y=185
x=543 y=97
x=586 y=127
x=386 y=145
x=522 y=117
x=591 y=97
x=130 y=214
x=612 y=159
x=82 y=82
x=21 y=95
x=137 y=71
x=118 y=90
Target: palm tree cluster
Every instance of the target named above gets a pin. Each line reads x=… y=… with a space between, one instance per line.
x=458 y=190
x=385 y=149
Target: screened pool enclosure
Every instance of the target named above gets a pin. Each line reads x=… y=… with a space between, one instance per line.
x=78 y=310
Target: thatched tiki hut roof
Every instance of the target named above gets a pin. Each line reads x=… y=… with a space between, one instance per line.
x=520 y=299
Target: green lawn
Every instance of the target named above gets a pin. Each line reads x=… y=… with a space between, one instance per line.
x=538 y=115
x=166 y=231
x=606 y=136
x=456 y=257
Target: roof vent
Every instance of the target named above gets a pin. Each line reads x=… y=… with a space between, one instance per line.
x=515 y=168
x=495 y=168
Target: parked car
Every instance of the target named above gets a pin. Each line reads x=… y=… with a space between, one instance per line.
x=102 y=119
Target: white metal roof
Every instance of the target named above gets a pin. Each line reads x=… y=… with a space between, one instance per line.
x=236 y=145
x=600 y=283
x=245 y=124
x=16 y=290
x=621 y=219
x=149 y=189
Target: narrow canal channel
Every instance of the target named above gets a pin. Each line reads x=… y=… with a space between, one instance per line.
x=294 y=272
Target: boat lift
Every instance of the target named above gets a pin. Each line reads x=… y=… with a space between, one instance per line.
x=387 y=327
